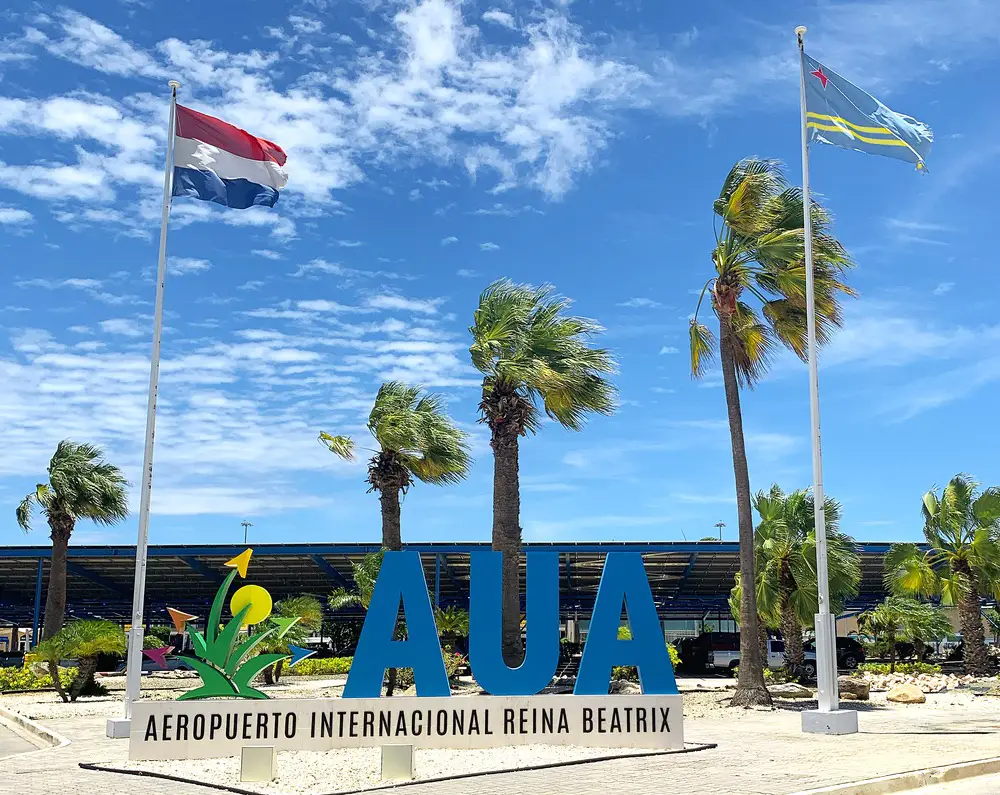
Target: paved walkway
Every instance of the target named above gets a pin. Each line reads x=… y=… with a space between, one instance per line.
x=11 y=743
x=759 y=753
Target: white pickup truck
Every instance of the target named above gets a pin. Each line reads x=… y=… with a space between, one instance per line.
x=728 y=660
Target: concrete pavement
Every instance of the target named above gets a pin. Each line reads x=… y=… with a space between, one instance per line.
x=983 y=785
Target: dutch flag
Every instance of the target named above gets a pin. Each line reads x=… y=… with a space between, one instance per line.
x=217 y=162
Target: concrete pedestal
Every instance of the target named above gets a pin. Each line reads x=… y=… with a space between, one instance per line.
x=838 y=721
x=397 y=762
x=119 y=728
x=258 y=763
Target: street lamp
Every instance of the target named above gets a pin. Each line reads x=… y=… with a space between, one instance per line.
x=720 y=525
x=246 y=526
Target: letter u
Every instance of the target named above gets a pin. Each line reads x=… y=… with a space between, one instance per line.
x=541 y=655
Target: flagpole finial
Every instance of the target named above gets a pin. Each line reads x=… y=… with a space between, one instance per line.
x=174 y=84
x=800 y=32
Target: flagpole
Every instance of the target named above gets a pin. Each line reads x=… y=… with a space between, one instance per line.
x=133 y=677
x=826 y=625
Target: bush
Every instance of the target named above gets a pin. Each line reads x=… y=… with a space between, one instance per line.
x=901 y=668
x=27 y=679
x=452 y=663
x=327 y=666
x=629 y=673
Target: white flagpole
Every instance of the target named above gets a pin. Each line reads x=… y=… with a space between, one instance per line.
x=120 y=728
x=826 y=624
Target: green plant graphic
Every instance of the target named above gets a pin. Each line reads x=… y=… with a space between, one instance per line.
x=225 y=665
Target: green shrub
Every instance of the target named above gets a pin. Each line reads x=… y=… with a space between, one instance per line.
x=628 y=673
x=27 y=679
x=327 y=666
x=452 y=663
x=901 y=668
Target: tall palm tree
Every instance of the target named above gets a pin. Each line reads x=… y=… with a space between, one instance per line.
x=759 y=258
x=533 y=357
x=416 y=439
x=82 y=485
x=962 y=563
x=785 y=551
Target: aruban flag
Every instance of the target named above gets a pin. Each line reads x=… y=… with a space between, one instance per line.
x=840 y=113
x=217 y=162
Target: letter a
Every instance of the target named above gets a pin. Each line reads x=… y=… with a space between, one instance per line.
x=541 y=655
x=400 y=579
x=624 y=582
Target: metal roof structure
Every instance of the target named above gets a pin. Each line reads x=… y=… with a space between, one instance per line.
x=688 y=579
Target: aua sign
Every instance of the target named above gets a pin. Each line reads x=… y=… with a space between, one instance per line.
x=202 y=725
x=401 y=582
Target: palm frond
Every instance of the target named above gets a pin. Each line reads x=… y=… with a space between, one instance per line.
x=753 y=345
x=702 y=348
x=341 y=446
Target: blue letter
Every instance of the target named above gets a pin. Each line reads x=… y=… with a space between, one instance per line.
x=401 y=578
x=541 y=655
x=624 y=582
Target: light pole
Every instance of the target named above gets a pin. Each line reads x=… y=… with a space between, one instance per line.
x=246 y=526
x=720 y=525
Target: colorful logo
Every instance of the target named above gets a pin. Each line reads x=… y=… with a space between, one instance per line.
x=223 y=658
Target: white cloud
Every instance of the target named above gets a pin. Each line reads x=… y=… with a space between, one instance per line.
x=266 y=253
x=428 y=306
x=13 y=216
x=640 y=303
x=183 y=266
x=447 y=241
x=126 y=327
x=58 y=183
x=489 y=247
x=465 y=273
x=666 y=349
x=943 y=287
x=348 y=243
x=499 y=17
x=305 y=25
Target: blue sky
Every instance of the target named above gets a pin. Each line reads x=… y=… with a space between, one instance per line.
x=434 y=146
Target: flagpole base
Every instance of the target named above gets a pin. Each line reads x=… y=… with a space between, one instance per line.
x=837 y=721
x=119 y=728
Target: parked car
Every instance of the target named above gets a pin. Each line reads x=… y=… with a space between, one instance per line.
x=11 y=659
x=728 y=659
x=850 y=654
x=149 y=666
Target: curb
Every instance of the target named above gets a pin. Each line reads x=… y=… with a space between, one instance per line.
x=35 y=733
x=914 y=779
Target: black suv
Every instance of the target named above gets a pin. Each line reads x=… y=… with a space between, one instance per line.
x=850 y=654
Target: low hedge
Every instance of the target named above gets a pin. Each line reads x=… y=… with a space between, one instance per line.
x=326 y=666
x=27 y=679
x=901 y=668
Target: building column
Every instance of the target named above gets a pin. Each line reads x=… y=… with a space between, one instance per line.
x=38 y=605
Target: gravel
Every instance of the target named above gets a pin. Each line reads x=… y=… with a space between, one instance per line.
x=348 y=769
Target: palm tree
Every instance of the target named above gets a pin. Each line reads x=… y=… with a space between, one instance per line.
x=82 y=485
x=416 y=439
x=903 y=618
x=962 y=562
x=759 y=255
x=309 y=612
x=83 y=641
x=532 y=356
x=785 y=560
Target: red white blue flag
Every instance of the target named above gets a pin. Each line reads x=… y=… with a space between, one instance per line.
x=217 y=162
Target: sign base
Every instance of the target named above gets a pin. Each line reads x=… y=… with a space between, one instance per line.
x=837 y=721
x=118 y=728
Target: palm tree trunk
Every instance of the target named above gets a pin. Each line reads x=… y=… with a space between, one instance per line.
x=391 y=532
x=57 y=682
x=977 y=660
x=892 y=652
x=750 y=688
x=86 y=666
x=762 y=637
x=61 y=527
x=507 y=537
x=791 y=629
x=392 y=539
x=278 y=667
